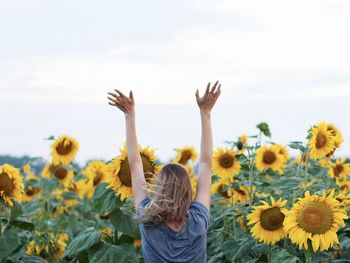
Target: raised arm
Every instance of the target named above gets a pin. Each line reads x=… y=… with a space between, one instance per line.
x=127 y=105
x=206 y=103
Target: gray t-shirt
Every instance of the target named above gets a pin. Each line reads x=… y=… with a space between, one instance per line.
x=162 y=244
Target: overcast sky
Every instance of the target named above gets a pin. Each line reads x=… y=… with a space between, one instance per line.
x=286 y=63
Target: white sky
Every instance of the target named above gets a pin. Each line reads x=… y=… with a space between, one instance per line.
x=287 y=63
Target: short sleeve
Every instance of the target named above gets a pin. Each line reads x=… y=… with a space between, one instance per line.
x=200 y=214
x=142 y=204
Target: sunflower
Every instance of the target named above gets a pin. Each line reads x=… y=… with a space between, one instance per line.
x=339 y=168
x=343 y=198
x=338 y=137
x=96 y=173
x=268 y=221
x=343 y=183
x=39 y=246
x=61 y=172
x=64 y=149
x=321 y=141
x=221 y=187
x=240 y=194
x=189 y=169
x=270 y=157
x=11 y=184
x=225 y=163
x=185 y=154
x=119 y=170
x=31 y=191
x=315 y=218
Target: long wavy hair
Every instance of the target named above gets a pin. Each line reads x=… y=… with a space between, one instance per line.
x=170 y=195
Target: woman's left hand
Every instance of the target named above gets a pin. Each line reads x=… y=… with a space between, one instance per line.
x=124 y=103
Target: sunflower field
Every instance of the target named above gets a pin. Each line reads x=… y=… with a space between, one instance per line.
x=267 y=206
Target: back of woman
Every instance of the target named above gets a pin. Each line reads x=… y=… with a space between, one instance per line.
x=160 y=243
x=168 y=201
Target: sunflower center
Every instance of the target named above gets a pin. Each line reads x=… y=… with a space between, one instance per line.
x=185 y=156
x=64 y=149
x=239 y=191
x=124 y=173
x=98 y=178
x=60 y=172
x=316 y=218
x=338 y=169
x=226 y=160
x=321 y=140
x=271 y=219
x=32 y=190
x=222 y=192
x=6 y=184
x=269 y=157
x=147 y=167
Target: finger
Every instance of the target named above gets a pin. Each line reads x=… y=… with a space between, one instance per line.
x=131 y=95
x=214 y=87
x=120 y=93
x=197 y=94
x=207 y=90
x=113 y=94
x=112 y=99
x=218 y=91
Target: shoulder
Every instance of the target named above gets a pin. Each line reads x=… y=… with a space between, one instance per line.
x=200 y=214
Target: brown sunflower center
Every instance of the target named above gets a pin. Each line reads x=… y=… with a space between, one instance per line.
x=240 y=192
x=185 y=156
x=32 y=190
x=147 y=167
x=6 y=184
x=269 y=157
x=321 y=140
x=226 y=160
x=125 y=175
x=64 y=149
x=60 y=172
x=316 y=218
x=98 y=177
x=222 y=192
x=271 y=219
x=338 y=169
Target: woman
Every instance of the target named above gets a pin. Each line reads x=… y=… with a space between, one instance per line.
x=173 y=227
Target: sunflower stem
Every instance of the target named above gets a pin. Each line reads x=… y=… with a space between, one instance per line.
x=308 y=256
x=269 y=253
x=234 y=216
x=305 y=177
x=251 y=180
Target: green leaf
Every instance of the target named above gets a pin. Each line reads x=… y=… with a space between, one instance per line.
x=70 y=195
x=102 y=252
x=27 y=259
x=84 y=240
x=104 y=200
x=123 y=222
x=282 y=256
x=23 y=223
x=234 y=250
x=16 y=211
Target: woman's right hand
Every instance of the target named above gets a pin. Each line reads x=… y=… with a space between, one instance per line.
x=207 y=102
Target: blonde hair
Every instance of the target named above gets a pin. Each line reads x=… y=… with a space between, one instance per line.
x=170 y=195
